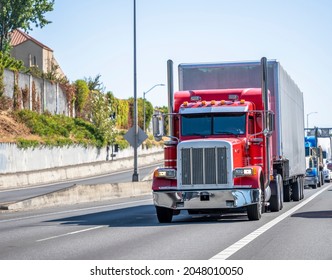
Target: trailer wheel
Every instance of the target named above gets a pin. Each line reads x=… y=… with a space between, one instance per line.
x=302 y=188
x=296 y=190
x=164 y=215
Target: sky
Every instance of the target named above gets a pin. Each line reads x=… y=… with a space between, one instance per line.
x=91 y=38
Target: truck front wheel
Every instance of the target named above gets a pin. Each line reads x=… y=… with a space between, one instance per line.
x=254 y=211
x=164 y=215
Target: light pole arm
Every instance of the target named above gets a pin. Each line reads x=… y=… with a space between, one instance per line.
x=144 y=93
x=308 y=117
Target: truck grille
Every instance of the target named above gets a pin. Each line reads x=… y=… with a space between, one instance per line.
x=203 y=166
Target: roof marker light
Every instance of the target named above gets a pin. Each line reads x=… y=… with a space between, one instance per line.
x=195 y=98
x=203 y=102
x=233 y=97
x=213 y=102
x=185 y=103
x=242 y=101
x=222 y=102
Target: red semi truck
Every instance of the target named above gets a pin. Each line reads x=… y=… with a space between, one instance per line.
x=236 y=135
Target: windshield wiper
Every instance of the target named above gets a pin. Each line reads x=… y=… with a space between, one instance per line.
x=228 y=132
x=199 y=134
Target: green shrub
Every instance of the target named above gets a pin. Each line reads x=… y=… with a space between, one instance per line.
x=59 y=130
x=25 y=143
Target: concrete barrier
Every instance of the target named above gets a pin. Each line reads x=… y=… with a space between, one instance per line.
x=82 y=193
x=22 y=179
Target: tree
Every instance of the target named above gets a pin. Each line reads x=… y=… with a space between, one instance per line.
x=95 y=83
x=21 y=14
x=82 y=95
x=101 y=117
x=148 y=113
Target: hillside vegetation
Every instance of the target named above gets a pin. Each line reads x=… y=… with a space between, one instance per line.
x=30 y=129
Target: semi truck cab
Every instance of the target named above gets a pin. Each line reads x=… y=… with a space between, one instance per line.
x=219 y=155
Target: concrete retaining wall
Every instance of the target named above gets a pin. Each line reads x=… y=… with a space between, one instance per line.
x=20 y=179
x=14 y=159
x=45 y=95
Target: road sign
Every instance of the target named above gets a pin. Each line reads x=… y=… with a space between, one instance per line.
x=319 y=132
x=130 y=136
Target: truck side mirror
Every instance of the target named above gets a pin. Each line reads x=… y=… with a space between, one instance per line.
x=271 y=122
x=158 y=126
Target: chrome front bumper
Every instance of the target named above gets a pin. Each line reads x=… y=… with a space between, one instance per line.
x=206 y=199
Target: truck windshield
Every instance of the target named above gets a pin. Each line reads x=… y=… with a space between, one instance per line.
x=213 y=124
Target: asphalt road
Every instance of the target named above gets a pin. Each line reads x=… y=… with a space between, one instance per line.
x=127 y=229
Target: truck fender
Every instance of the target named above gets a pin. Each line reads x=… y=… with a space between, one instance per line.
x=163 y=184
x=253 y=180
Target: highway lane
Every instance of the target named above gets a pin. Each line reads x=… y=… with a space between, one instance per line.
x=117 y=176
x=305 y=234
x=127 y=229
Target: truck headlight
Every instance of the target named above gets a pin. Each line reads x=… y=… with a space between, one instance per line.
x=167 y=173
x=240 y=172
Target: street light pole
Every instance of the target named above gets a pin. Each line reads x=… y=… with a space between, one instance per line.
x=135 y=174
x=144 y=93
x=308 y=117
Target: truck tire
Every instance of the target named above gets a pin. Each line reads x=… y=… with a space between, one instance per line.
x=254 y=211
x=322 y=179
x=164 y=215
x=287 y=193
x=296 y=190
x=276 y=200
x=302 y=188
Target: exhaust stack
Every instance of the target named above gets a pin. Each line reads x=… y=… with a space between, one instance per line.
x=265 y=99
x=170 y=90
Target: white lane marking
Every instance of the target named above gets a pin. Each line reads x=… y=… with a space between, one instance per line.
x=69 y=233
x=225 y=254
x=76 y=210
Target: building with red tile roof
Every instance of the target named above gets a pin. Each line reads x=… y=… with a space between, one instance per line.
x=33 y=52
